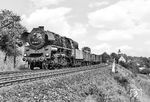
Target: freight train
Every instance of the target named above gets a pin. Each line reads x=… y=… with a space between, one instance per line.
x=48 y=50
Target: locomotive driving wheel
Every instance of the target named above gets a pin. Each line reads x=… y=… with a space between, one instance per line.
x=31 y=65
x=63 y=61
x=45 y=65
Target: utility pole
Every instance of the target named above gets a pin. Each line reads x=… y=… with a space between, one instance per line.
x=114 y=66
x=14 y=42
x=14 y=53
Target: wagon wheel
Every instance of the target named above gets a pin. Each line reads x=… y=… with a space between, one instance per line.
x=45 y=65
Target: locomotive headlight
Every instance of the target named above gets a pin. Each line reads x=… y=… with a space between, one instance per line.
x=47 y=55
x=25 y=55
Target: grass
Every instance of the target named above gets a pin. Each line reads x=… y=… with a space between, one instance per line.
x=123 y=81
x=144 y=82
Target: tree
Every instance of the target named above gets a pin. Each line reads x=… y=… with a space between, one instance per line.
x=105 y=57
x=146 y=62
x=10 y=32
x=114 y=55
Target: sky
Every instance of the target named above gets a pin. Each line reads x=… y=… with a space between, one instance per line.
x=103 y=25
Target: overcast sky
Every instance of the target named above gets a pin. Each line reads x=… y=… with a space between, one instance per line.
x=103 y=25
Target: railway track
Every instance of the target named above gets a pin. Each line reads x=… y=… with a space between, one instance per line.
x=15 y=73
x=38 y=75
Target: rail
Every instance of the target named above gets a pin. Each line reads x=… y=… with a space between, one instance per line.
x=28 y=76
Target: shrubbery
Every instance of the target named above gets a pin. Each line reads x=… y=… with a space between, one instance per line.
x=145 y=71
x=121 y=80
x=130 y=66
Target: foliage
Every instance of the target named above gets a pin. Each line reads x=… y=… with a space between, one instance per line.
x=10 y=32
x=145 y=71
x=131 y=66
x=146 y=62
x=24 y=37
x=105 y=57
x=121 y=80
x=124 y=64
x=114 y=56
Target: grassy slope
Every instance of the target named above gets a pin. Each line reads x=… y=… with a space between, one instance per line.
x=92 y=86
x=140 y=83
x=143 y=82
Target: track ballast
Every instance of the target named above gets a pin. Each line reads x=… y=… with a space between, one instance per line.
x=28 y=76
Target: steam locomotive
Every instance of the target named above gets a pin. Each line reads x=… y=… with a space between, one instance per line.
x=48 y=50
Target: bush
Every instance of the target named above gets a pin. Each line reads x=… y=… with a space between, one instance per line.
x=124 y=64
x=121 y=80
x=145 y=71
x=130 y=66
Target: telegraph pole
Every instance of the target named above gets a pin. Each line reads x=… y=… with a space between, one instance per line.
x=114 y=66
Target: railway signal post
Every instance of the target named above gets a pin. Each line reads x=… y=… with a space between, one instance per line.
x=114 y=66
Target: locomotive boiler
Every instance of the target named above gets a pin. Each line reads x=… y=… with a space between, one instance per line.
x=48 y=50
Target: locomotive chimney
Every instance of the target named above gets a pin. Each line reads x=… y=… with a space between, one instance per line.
x=41 y=27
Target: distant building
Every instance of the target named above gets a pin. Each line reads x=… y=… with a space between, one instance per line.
x=122 y=59
x=141 y=68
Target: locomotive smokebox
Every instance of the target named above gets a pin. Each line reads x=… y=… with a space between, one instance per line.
x=36 y=38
